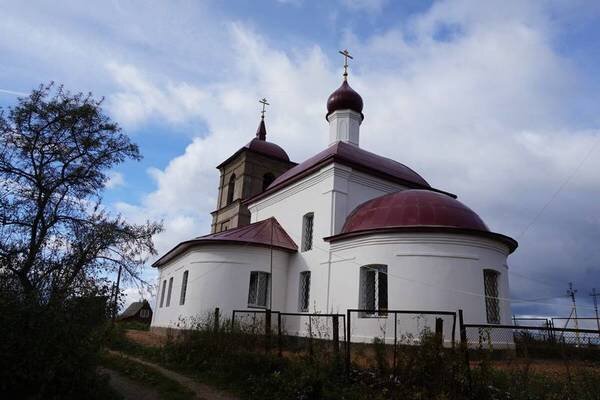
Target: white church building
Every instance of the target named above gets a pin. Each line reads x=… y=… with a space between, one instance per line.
x=344 y=229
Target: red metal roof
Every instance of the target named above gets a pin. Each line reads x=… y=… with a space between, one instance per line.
x=264 y=233
x=354 y=157
x=412 y=208
x=416 y=210
x=260 y=145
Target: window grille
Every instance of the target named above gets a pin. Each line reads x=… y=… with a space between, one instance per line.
x=162 y=295
x=231 y=189
x=169 y=291
x=258 y=292
x=304 y=291
x=183 y=288
x=307 y=231
x=492 y=305
x=373 y=290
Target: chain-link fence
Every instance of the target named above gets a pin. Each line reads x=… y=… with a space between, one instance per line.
x=530 y=342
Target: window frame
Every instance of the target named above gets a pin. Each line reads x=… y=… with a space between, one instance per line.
x=260 y=285
x=162 y=295
x=378 y=273
x=304 y=283
x=169 y=292
x=184 y=282
x=308 y=231
x=492 y=300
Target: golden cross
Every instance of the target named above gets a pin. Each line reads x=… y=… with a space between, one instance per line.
x=264 y=103
x=347 y=56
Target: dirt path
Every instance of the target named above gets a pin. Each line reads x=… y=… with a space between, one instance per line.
x=129 y=389
x=202 y=391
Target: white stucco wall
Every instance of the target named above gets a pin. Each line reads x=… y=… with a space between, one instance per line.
x=219 y=276
x=331 y=194
x=425 y=272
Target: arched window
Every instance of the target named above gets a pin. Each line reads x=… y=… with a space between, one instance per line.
x=230 y=189
x=307 y=231
x=492 y=304
x=268 y=178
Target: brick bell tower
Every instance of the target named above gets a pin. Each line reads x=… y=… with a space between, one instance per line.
x=248 y=172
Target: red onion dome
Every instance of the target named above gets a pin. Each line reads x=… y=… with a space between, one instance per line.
x=344 y=98
x=413 y=208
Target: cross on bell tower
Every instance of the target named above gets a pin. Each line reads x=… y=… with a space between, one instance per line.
x=264 y=103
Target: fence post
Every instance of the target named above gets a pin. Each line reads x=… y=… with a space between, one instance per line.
x=348 y=335
x=439 y=330
x=336 y=335
x=395 y=344
x=232 y=321
x=216 y=327
x=464 y=345
x=268 y=330
x=310 y=337
x=279 y=338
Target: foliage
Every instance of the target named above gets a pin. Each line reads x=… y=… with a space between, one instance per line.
x=50 y=351
x=167 y=388
x=55 y=151
x=58 y=243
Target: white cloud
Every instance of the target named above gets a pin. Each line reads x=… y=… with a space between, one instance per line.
x=115 y=179
x=140 y=99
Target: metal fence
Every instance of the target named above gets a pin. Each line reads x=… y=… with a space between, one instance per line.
x=540 y=342
x=293 y=332
x=384 y=331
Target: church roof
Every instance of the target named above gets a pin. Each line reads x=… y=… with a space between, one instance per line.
x=264 y=233
x=354 y=157
x=416 y=210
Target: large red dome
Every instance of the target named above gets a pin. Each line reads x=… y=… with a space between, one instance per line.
x=413 y=208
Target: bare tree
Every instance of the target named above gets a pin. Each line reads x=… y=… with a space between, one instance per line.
x=55 y=236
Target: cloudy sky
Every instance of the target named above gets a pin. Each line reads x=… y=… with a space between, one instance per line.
x=494 y=101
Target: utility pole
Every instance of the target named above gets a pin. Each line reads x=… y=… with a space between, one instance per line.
x=571 y=292
x=595 y=295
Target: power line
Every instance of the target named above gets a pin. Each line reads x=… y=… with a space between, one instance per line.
x=560 y=188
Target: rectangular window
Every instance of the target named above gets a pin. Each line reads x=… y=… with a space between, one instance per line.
x=373 y=290
x=258 y=292
x=162 y=294
x=183 y=288
x=492 y=305
x=307 y=231
x=304 y=291
x=169 y=291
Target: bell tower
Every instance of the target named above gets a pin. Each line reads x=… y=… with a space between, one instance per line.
x=248 y=172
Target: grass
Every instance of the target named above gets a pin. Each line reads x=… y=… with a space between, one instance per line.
x=238 y=363
x=167 y=388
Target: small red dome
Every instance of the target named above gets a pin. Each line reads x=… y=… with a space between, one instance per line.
x=344 y=98
x=413 y=208
x=267 y=148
